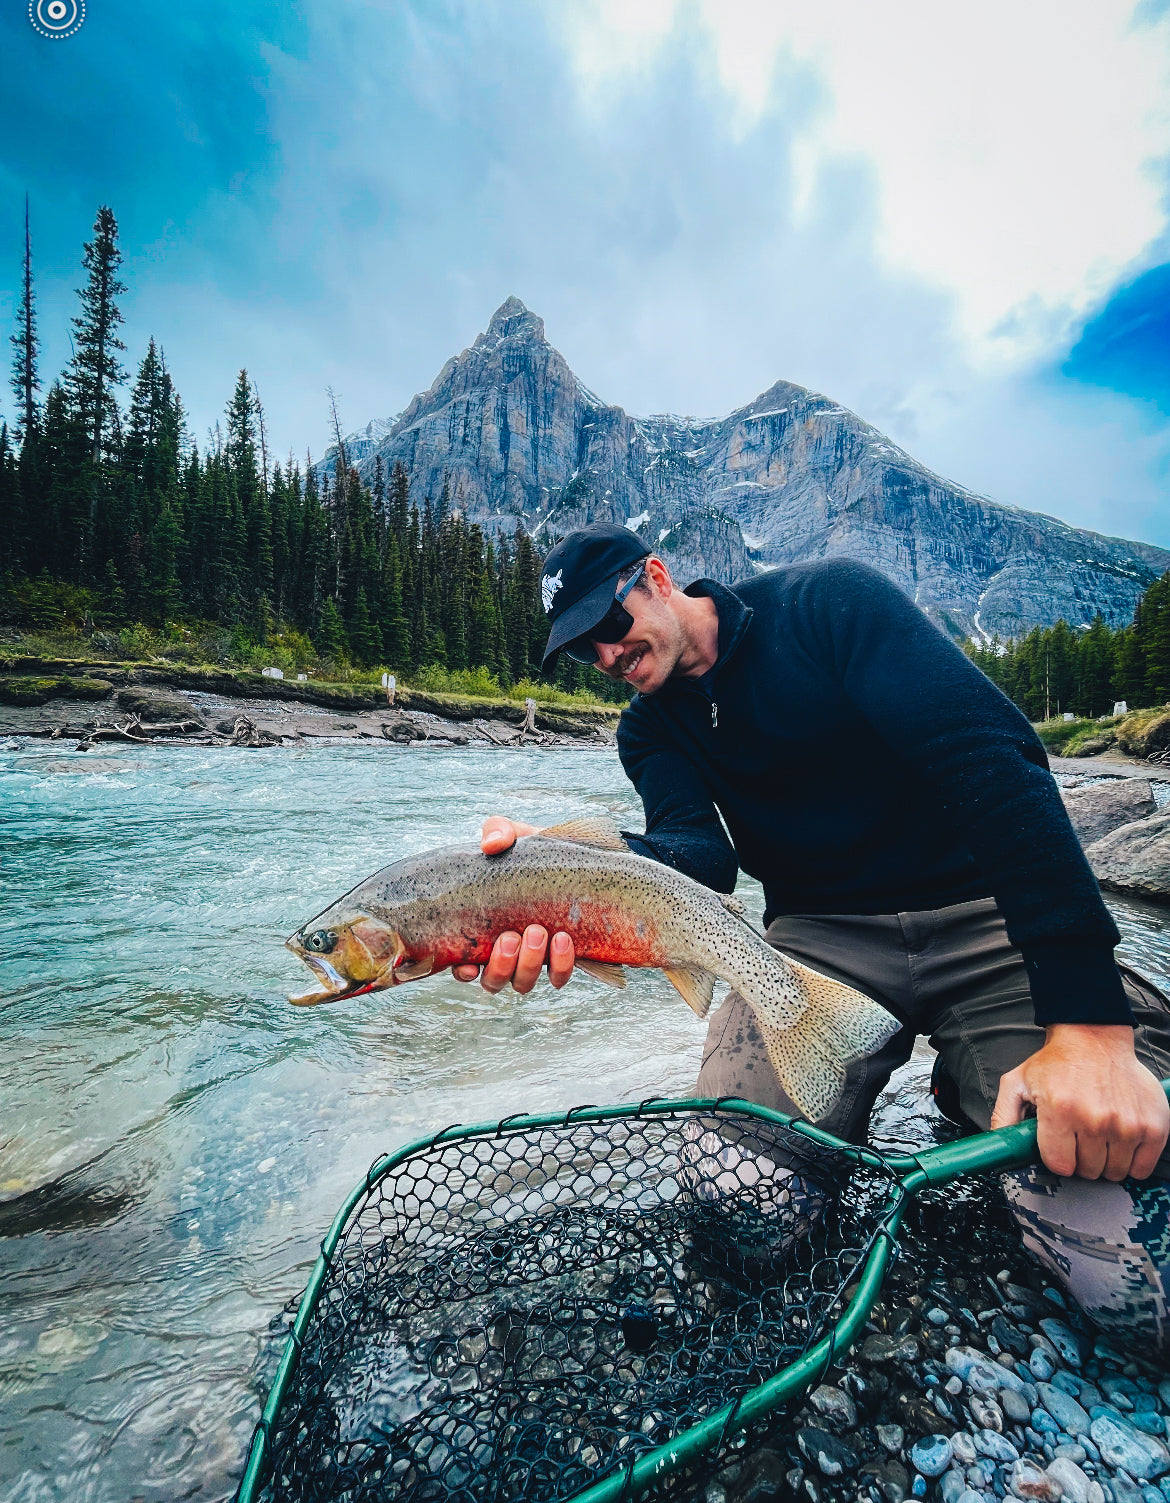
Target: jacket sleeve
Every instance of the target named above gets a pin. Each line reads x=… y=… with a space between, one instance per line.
x=925 y=698
x=683 y=829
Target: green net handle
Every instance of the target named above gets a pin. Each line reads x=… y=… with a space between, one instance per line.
x=1005 y=1148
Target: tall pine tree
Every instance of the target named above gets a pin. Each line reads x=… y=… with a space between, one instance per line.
x=94 y=371
x=25 y=380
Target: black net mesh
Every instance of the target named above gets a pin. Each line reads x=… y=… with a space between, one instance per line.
x=515 y=1316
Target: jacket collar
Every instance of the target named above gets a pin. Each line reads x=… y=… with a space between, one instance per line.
x=734 y=618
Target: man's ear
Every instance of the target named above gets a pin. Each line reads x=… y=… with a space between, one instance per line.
x=659 y=575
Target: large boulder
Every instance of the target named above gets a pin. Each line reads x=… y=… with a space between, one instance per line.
x=23 y=689
x=1101 y=807
x=158 y=706
x=1144 y=732
x=1135 y=858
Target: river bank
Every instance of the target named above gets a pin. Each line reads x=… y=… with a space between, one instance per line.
x=66 y=698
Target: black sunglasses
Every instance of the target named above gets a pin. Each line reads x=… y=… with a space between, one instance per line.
x=612 y=627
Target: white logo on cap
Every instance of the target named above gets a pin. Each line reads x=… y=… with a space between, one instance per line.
x=549 y=585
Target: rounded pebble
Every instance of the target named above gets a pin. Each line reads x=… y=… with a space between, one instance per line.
x=829 y=1455
x=1124 y=1490
x=918 y=1487
x=1142 y=1456
x=1043 y=1421
x=1070 y=1479
x=1028 y=1481
x=1014 y=1405
x=952 y=1486
x=999 y=1447
x=834 y=1405
x=977 y=1372
x=1041 y=1365
x=986 y=1412
x=1064 y=1409
x=1062 y=1338
x=931 y=1455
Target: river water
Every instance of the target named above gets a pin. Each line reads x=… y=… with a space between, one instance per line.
x=175 y=1138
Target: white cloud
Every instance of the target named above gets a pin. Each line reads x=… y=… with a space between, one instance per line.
x=1013 y=147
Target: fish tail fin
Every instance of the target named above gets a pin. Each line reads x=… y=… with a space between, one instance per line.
x=837 y=1025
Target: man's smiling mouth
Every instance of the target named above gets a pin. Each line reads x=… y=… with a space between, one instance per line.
x=628 y=665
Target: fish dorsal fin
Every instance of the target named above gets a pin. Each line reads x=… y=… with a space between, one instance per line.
x=733 y=904
x=694 y=985
x=612 y=975
x=593 y=830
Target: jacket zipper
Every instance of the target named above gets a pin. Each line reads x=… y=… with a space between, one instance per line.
x=714 y=714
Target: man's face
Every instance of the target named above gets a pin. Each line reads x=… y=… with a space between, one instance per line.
x=649 y=652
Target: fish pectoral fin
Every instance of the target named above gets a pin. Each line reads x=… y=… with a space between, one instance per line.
x=694 y=985
x=414 y=969
x=596 y=830
x=603 y=970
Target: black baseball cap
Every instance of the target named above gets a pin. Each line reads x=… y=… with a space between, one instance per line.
x=578 y=580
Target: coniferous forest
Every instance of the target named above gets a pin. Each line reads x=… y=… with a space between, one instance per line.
x=113 y=520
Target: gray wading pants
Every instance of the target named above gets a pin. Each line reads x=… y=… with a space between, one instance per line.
x=953 y=975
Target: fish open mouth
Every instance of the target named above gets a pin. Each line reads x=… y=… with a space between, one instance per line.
x=334 y=987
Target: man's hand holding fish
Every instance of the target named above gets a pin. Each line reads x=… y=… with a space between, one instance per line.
x=518 y=958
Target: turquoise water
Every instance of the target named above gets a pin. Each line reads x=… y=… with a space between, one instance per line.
x=175 y=1138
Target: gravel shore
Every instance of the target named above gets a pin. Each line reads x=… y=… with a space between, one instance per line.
x=977 y=1379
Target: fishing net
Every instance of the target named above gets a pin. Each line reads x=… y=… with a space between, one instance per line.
x=518 y=1314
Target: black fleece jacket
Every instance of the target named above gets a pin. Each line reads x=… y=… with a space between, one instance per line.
x=863 y=764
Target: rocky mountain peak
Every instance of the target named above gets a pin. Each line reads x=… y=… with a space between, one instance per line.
x=519 y=441
x=511 y=320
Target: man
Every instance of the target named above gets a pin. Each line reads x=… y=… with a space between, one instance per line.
x=899 y=812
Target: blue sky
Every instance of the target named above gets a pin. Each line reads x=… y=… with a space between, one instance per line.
x=952 y=220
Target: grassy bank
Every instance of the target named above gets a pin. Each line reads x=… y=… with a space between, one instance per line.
x=35 y=668
x=1140 y=733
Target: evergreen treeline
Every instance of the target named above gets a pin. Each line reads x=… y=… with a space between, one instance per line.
x=1057 y=669
x=112 y=516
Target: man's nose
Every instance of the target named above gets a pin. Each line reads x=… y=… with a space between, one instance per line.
x=607 y=653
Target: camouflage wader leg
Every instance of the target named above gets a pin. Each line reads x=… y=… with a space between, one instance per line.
x=1109 y=1245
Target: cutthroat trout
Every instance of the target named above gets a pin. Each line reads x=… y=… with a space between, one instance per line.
x=446 y=907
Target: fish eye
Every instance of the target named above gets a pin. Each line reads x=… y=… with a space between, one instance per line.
x=321 y=941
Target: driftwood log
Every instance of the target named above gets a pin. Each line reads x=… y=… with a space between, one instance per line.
x=133 y=731
x=247 y=733
x=244 y=733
